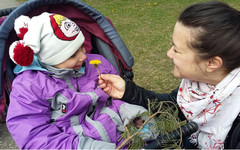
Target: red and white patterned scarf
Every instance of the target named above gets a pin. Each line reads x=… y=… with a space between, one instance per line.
x=213 y=108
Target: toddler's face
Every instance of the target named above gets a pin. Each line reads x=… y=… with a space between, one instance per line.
x=75 y=61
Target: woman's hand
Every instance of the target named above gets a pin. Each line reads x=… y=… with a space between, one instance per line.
x=113 y=85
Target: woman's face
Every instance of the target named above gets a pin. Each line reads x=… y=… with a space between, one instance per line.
x=75 y=61
x=186 y=64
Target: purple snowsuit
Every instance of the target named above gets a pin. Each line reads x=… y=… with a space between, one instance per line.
x=72 y=113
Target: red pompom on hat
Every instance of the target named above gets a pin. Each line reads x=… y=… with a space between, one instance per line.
x=21 y=54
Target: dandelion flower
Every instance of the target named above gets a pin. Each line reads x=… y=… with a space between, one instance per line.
x=155 y=4
x=95 y=63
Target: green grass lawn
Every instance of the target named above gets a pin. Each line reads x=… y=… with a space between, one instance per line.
x=146 y=28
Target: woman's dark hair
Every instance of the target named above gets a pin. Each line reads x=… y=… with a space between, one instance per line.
x=220 y=31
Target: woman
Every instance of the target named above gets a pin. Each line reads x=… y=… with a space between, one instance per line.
x=206 y=54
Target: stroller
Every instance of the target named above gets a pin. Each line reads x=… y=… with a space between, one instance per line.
x=100 y=38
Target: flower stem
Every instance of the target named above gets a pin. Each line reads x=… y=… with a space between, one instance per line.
x=98 y=71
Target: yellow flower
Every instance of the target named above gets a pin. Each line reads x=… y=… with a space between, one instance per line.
x=155 y=4
x=95 y=63
x=148 y=3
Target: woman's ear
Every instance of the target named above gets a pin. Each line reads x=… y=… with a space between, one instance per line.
x=214 y=64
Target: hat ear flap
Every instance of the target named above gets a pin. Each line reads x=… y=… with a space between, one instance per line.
x=21 y=26
x=21 y=54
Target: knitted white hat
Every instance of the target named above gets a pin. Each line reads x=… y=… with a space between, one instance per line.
x=52 y=38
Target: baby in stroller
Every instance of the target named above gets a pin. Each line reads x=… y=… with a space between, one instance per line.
x=55 y=102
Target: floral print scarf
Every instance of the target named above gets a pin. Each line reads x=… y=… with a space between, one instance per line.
x=213 y=108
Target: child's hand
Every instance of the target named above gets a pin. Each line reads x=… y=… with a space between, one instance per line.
x=113 y=85
x=138 y=122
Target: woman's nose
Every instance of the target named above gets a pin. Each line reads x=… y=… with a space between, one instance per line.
x=170 y=52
